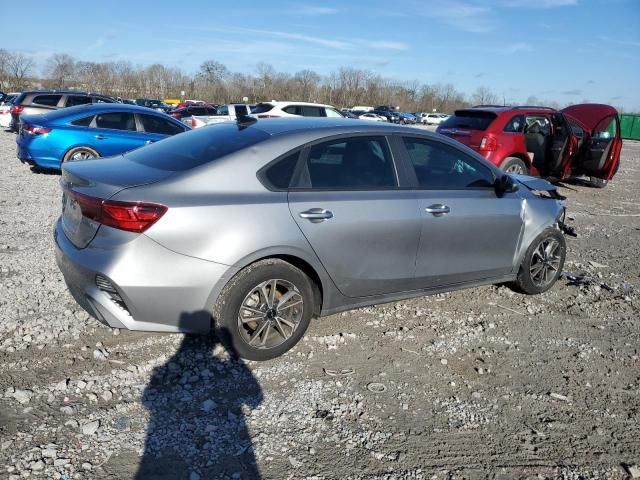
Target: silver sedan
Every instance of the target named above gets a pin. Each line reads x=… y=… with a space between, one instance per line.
x=253 y=228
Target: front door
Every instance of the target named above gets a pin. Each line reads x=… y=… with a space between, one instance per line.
x=468 y=232
x=364 y=230
x=599 y=155
x=115 y=133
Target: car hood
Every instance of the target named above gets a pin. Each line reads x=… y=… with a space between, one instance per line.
x=533 y=183
x=589 y=115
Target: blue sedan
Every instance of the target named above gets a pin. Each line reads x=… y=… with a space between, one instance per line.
x=90 y=131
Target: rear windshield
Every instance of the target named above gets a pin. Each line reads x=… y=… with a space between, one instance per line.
x=469 y=119
x=262 y=108
x=197 y=147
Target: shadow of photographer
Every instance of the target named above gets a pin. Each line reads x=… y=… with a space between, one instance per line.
x=197 y=402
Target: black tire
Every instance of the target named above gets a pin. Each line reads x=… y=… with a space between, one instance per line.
x=87 y=151
x=514 y=165
x=596 y=182
x=526 y=281
x=227 y=310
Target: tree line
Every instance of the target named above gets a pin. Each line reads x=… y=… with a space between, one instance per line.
x=214 y=82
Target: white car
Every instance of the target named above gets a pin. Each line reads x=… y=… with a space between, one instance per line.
x=372 y=117
x=5 y=109
x=433 y=118
x=294 y=109
x=224 y=113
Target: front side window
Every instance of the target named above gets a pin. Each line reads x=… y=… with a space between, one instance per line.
x=331 y=113
x=308 y=111
x=46 y=100
x=357 y=163
x=162 y=126
x=83 y=122
x=515 y=125
x=441 y=167
x=116 y=121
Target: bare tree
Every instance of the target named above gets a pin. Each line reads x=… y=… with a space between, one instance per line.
x=484 y=96
x=307 y=81
x=19 y=66
x=60 y=68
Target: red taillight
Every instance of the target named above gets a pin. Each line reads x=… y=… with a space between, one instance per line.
x=193 y=122
x=35 y=129
x=17 y=109
x=130 y=216
x=268 y=116
x=489 y=144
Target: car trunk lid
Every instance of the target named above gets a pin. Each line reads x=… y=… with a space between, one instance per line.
x=87 y=183
x=467 y=126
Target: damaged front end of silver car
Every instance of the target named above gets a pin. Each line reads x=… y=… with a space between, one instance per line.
x=544 y=189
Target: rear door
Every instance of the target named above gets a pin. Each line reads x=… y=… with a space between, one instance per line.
x=115 y=133
x=468 y=233
x=362 y=227
x=599 y=155
x=467 y=126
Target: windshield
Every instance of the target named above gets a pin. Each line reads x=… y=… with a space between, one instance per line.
x=468 y=119
x=197 y=147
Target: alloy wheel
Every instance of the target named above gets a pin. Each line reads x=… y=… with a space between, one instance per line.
x=515 y=169
x=545 y=262
x=82 y=155
x=270 y=313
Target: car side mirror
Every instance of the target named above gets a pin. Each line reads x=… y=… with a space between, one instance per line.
x=505 y=184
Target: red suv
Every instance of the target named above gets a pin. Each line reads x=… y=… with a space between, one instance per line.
x=579 y=140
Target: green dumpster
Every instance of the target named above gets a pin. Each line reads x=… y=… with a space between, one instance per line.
x=630 y=126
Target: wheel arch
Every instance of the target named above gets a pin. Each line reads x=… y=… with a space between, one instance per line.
x=80 y=145
x=322 y=285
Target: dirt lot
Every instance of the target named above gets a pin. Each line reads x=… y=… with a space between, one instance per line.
x=483 y=383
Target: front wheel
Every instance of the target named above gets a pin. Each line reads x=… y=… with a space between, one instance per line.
x=264 y=310
x=514 y=165
x=542 y=263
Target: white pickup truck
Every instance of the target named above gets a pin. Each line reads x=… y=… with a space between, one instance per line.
x=224 y=113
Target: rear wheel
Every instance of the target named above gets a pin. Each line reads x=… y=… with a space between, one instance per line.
x=264 y=310
x=597 y=182
x=80 y=153
x=514 y=165
x=542 y=263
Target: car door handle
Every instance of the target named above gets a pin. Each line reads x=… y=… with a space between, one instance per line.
x=100 y=137
x=437 y=209
x=316 y=215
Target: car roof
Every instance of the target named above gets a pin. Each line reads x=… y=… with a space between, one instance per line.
x=92 y=108
x=497 y=109
x=289 y=125
x=293 y=102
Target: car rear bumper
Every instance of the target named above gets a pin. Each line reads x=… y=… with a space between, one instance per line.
x=138 y=284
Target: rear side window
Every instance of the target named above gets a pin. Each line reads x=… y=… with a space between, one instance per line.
x=103 y=100
x=153 y=124
x=470 y=120
x=442 y=167
x=515 y=125
x=292 y=109
x=262 y=108
x=197 y=147
x=46 y=100
x=73 y=100
x=116 y=121
x=223 y=110
x=278 y=176
x=357 y=163
x=83 y=122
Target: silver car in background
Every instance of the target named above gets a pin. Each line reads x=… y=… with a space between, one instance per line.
x=254 y=227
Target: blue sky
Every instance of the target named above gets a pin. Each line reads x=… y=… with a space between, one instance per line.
x=563 y=50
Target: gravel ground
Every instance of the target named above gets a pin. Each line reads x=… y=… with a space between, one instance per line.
x=483 y=383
